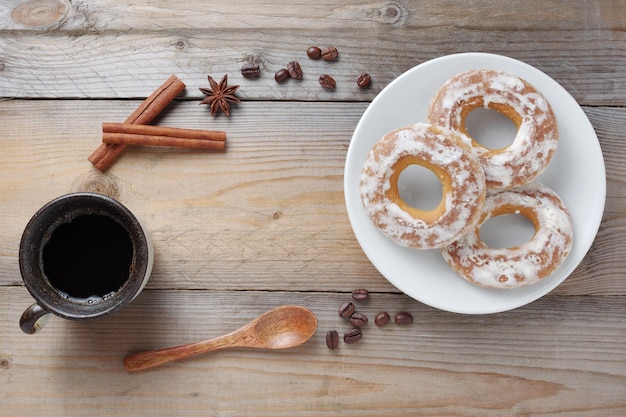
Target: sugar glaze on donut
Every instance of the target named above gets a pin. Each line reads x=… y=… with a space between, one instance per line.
x=537 y=129
x=522 y=265
x=441 y=151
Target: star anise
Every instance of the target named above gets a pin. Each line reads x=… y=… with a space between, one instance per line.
x=219 y=96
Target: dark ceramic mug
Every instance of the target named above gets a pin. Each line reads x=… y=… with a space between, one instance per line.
x=82 y=256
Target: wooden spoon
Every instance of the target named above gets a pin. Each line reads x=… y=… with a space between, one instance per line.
x=280 y=328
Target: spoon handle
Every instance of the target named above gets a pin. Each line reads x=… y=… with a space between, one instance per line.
x=150 y=359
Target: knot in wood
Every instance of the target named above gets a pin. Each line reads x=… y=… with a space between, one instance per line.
x=180 y=44
x=40 y=13
x=253 y=58
x=100 y=184
x=392 y=13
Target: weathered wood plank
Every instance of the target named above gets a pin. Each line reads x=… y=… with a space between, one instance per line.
x=96 y=52
x=266 y=214
x=130 y=65
x=557 y=356
x=160 y=15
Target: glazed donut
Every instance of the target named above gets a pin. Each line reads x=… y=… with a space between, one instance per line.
x=537 y=130
x=441 y=151
x=522 y=265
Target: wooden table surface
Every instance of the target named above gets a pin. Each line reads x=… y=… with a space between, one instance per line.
x=264 y=223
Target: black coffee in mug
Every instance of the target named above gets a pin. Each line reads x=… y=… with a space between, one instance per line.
x=88 y=258
x=82 y=256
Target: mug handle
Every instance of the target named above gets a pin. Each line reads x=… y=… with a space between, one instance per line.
x=34 y=318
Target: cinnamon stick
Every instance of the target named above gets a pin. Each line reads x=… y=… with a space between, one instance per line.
x=155 y=140
x=172 y=132
x=149 y=109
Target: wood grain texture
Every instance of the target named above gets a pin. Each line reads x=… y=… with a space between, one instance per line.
x=548 y=358
x=159 y=15
x=581 y=45
x=263 y=223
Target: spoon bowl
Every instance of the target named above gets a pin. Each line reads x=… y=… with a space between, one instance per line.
x=279 y=328
x=284 y=327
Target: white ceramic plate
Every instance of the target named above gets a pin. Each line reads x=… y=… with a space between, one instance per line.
x=576 y=173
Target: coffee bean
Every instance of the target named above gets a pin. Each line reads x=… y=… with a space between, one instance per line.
x=346 y=309
x=353 y=336
x=281 y=75
x=363 y=80
x=332 y=339
x=250 y=70
x=360 y=294
x=358 y=319
x=314 y=52
x=329 y=53
x=294 y=70
x=403 y=318
x=382 y=318
x=327 y=81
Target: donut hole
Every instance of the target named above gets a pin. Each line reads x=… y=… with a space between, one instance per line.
x=420 y=188
x=507 y=231
x=490 y=128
